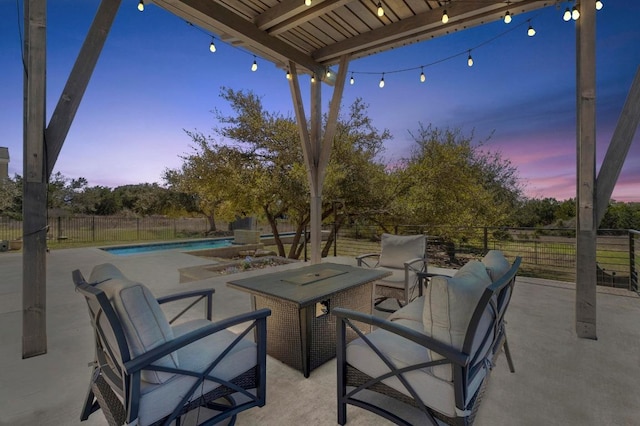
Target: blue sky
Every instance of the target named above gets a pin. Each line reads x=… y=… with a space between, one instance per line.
x=156 y=77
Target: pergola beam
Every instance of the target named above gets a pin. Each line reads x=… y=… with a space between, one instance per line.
x=421 y=26
x=216 y=17
x=294 y=13
x=78 y=80
x=618 y=148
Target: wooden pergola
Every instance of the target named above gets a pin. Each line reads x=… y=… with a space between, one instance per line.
x=311 y=39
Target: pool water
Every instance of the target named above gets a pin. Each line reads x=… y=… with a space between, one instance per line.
x=182 y=245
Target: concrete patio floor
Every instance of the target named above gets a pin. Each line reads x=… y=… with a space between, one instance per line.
x=559 y=379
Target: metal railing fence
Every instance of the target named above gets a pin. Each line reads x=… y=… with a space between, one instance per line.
x=65 y=231
x=546 y=253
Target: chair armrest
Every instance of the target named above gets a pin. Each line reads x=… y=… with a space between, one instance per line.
x=409 y=263
x=185 y=294
x=449 y=352
x=362 y=259
x=423 y=275
x=200 y=294
x=142 y=361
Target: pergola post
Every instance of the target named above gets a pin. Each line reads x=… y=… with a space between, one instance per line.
x=316 y=146
x=34 y=190
x=586 y=225
x=41 y=149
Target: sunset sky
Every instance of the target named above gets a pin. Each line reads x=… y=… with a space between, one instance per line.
x=156 y=78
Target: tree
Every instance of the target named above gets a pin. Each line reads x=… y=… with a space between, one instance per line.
x=218 y=177
x=621 y=216
x=11 y=197
x=261 y=170
x=536 y=212
x=448 y=182
x=144 y=199
x=282 y=185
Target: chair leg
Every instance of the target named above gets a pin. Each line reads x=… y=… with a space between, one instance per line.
x=342 y=413
x=507 y=353
x=87 y=409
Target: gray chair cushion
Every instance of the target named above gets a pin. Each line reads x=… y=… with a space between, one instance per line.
x=448 y=306
x=434 y=391
x=143 y=322
x=157 y=401
x=497 y=265
x=411 y=311
x=397 y=249
x=396 y=279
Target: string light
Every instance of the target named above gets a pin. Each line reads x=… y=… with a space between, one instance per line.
x=575 y=13
x=507 y=17
x=141 y=6
x=254 y=66
x=381 y=84
x=470 y=60
x=567 y=15
x=599 y=5
x=380 y=10
x=422 y=76
x=445 y=17
x=352 y=80
x=288 y=75
x=328 y=73
x=530 y=32
x=212 y=46
x=307 y=2
x=313 y=78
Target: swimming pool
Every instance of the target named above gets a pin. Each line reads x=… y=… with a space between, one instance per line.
x=181 y=245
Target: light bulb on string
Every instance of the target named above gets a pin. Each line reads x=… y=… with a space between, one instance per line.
x=380 y=10
x=507 y=17
x=352 y=80
x=328 y=73
x=531 y=32
x=470 y=60
x=445 y=17
x=381 y=84
x=254 y=66
x=567 y=15
x=313 y=78
x=212 y=46
x=307 y=2
x=575 y=13
x=141 y=6
x=423 y=78
x=599 y=5
x=288 y=75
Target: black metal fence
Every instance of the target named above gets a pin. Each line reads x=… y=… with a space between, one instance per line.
x=546 y=253
x=78 y=230
x=106 y=229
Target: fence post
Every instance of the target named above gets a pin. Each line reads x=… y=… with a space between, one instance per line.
x=175 y=228
x=304 y=241
x=486 y=239
x=138 y=228
x=93 y=228
x=632 y=262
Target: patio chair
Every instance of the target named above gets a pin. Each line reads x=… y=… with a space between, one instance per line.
x=404 y=256
x=435 y=354
x=149 y=371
